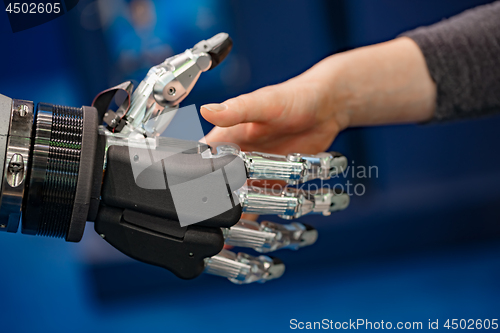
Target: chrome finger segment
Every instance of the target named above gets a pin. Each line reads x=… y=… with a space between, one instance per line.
x=294 y=168
x=291 y=203
x=269 y=236
x=243 y=268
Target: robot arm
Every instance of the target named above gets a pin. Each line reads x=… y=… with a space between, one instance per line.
x=167 y=202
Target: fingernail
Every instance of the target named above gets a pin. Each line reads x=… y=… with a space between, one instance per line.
x=215 y=107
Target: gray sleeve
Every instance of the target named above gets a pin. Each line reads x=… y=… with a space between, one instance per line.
x=463 y=57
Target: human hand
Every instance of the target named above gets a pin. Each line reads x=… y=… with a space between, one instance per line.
x=289 y=117
x=374 y=85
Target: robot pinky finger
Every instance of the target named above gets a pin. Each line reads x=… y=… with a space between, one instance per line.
x=243 y=268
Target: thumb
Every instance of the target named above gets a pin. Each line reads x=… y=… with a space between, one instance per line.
x=259 y=106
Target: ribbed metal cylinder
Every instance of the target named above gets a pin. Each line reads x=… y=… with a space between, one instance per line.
x=55 y=167
x=61 y=176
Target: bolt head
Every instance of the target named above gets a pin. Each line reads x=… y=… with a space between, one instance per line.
x=295 y=157
x=23 y=110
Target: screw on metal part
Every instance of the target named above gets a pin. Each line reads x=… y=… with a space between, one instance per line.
x=23 y=110
x=107 y=116
x=136 y=158
x=295 y=157
x=171 y=91
x=15 y=166
x=15 y=170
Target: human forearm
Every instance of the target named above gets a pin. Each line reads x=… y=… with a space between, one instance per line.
x=462 y=54
x=379 y=84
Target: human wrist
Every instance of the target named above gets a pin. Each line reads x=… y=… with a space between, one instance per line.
x=390 y=84
x=332 y=99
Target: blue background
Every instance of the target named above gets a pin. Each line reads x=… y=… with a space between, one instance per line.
x=422 y=243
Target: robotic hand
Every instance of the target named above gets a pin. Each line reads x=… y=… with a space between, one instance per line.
x=164 y=201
